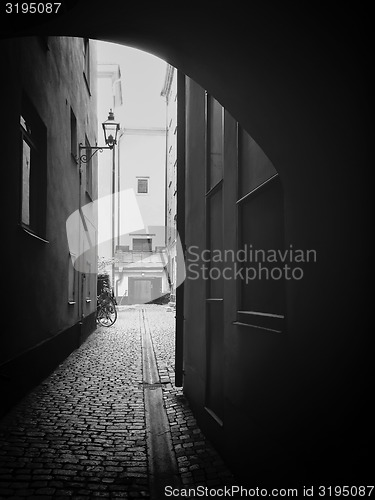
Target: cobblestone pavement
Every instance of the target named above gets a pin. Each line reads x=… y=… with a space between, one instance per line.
x=81 y=433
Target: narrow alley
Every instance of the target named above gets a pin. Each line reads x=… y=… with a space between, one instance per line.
x=84 y=431
x=222 y=167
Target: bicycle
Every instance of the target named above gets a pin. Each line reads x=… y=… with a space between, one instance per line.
x=106 y=312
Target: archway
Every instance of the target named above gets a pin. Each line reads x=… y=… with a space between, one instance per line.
x=297 y=84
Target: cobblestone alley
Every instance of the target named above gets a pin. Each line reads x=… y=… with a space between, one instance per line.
x=84 y=432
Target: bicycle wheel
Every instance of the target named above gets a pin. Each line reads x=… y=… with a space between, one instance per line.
x=107 y=314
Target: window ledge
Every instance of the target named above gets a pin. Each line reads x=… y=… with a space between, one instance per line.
x=270 y=322
x=257 y=327
x=31 y=233
x=214 y=416
x=257 y=313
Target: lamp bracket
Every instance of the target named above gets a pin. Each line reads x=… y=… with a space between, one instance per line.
x=85 y=158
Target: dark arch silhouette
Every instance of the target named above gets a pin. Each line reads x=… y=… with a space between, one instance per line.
x=298 y=82
x=288 y=76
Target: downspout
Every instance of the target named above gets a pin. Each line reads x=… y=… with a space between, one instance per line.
x=122 y=134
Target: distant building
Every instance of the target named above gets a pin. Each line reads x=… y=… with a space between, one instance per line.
x=140 y=260
x=135 y=258
x=169 y=91
x=109 y=87
x=49 y=100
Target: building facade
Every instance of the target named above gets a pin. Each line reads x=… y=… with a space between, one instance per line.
x=169 y=92
x=231 y=219
x=140 y=260
x=132 y=178
x=49 y=98
x=232 y=328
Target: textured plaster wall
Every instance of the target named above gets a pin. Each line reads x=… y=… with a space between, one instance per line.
x=38 y=278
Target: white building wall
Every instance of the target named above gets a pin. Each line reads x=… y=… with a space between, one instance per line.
x=142 y=156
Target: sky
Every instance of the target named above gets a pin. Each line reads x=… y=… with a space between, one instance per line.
x=142 y=81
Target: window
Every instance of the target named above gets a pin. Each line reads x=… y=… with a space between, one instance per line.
x=214 y=141
x=34 y=170
x=88 y=282
x=86 y=68
x=142 y=186
x=71 y=281
x=142 y=244
x=73 y=134
x=26 y=181
x=88 y=169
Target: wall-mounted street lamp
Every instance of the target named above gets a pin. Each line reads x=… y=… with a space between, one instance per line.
x=111 y=129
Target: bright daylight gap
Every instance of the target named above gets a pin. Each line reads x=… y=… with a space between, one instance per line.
x=137 y=185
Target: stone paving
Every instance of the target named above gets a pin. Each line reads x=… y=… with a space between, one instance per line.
x=198 y=462
x=82 y=434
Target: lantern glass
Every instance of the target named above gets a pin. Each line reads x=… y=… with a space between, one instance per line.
x=111 y=128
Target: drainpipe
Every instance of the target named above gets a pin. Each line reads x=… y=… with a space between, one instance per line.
x=113 y=215
x=121 y=135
